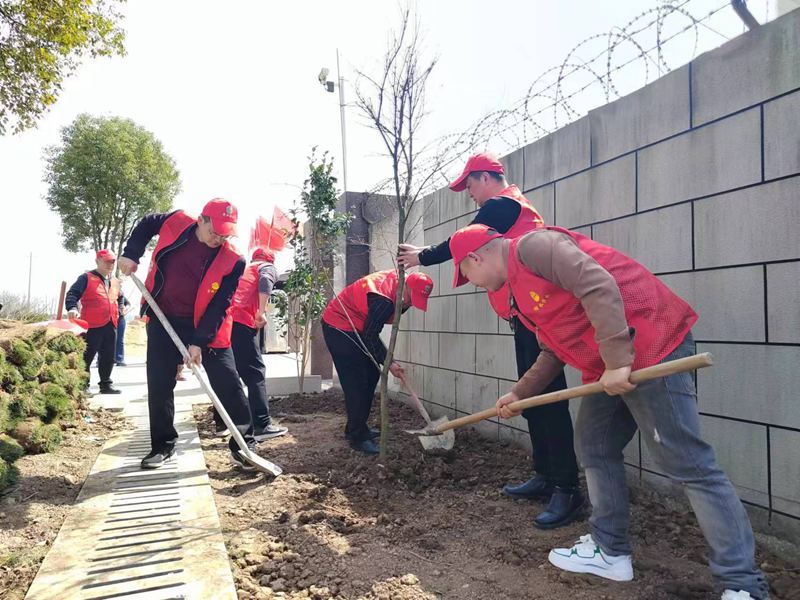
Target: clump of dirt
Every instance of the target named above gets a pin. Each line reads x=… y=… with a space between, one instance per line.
x=32 y=510
x=341 y=525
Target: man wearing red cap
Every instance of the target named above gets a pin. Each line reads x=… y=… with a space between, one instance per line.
x=249 y=308
x=503 y=208
x=604 y=314
x=193 y=275
x=351 y=325
x=100 y=300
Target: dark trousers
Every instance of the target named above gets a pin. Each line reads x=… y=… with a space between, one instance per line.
x=250 y=365
x=100 y=341
x=162 y=356
x=358 y=376
x=549 y=426
x=120 y=353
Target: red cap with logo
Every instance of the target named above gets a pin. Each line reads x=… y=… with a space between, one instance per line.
x=421 y=287
x=467 y=240
x=263 y=254
x=223 y=216
x=105 y=254
x=477 y=162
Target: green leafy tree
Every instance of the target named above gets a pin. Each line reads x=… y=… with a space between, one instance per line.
x=41 y=44
x=104 y=176
x=309 y=284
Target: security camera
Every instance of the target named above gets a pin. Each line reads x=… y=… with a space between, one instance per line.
x=323 y=75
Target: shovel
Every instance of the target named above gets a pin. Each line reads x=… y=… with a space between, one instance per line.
x=76 y=326
x=435 y=435
x=262 y=464
x=444 y=441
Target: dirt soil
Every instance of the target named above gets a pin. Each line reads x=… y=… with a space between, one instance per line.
x=31 y=512
x=337 y=524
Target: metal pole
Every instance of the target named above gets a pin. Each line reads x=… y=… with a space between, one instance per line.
x=341 y=116
x=30 y=271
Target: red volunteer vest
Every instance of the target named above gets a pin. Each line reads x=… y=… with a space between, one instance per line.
x=528 y=220
x=660 y=317
x=352 y=300
x=244 y=305
x=98 y=304
x=222 y=265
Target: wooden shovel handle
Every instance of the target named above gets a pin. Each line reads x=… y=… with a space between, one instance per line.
x=681 y=365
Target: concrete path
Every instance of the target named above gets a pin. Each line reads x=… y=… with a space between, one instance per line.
x=137 y=534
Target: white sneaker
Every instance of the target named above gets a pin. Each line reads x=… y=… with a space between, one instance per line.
x=587 y=557
x=740 y=595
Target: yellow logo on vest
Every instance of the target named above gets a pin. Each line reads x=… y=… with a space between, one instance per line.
x=539 y=301
x=214 y=287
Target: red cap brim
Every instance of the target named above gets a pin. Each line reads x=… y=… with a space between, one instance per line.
x=460 y=184
x=419 y=301
x=458 y=277
x=225 y=228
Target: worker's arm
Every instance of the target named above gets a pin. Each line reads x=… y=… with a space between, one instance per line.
x=75 y=292
x=537 y=378
x=379 y=311
x=214 y=315
x=144 y=231
x=267 y=276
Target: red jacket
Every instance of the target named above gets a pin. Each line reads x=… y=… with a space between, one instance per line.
x=221 y=266
x=352 y=300
x=98 y=304
x=660 y=318
x=246 y=301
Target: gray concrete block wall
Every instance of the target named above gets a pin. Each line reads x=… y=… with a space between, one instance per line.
x=697 y=176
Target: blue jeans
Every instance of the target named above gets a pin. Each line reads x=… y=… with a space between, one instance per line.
x=120 y=352
x=665 y=410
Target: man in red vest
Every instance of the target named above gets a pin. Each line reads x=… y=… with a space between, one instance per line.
x=100 y=300
x=351 y=325
x=193 y=275
x=604 y=314
x=249 y=308
x=503 y=208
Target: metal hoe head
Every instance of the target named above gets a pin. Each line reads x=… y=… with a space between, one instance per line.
x=432 y=439
x=262 y=464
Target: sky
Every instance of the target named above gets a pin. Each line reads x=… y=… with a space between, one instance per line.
x=231 y=91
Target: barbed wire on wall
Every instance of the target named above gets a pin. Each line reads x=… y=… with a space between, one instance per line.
x=620 y=61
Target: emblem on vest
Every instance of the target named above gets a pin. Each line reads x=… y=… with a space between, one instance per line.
x=214 y=287
x=539 y=301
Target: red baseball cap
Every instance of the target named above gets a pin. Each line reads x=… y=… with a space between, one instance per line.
x=477 y=162
x=263 y=254
x=105 y=254
x=467 y=240
x=421 y=286
x=223 y=216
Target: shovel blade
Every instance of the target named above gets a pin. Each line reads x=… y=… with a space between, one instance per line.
x=262 y=464
x=440 y=441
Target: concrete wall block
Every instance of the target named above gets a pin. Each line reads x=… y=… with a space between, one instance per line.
x=587 y=231
x=401 y=351
x=414 y=319
x=515 y=437
x=604 y=192
x=464 y=220
x=433 y=273
x=440 y=387
x=436 y=234
x=785 y=471
x=441 y=314
x=424 y=348
x=543 y=200
x=475 y=393
x=751 y=382
x=514 y=166
x=453 y=204
x=415 y=375
x=748 y=226
x=731 y=441
x=557 y=155
x=446 y=270
x=430 y=216
x=654 y=112
x=475 y=315
x=783 y=310
x=753 y=67
x=660 y=240
x=457 y=351
x=495 y=357
x=729 y=302
x=782 y=136
x=719 y=157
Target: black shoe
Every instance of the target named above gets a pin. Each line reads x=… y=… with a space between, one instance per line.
x=239 y=461
x=221 y=430
x=121 y=363
x=268 y=432
x=566 y=506
x=538 y=487
x=374 y=434
x=109 y=389
x=367 y=446
x=157 y=458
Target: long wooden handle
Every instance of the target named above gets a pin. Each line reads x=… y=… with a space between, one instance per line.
x=681 y=365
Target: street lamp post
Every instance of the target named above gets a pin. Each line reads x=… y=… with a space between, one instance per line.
x=330 y=86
